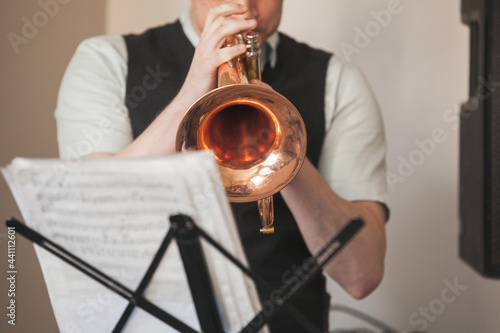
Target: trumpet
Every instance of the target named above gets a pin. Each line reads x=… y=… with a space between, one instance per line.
x=257 y=136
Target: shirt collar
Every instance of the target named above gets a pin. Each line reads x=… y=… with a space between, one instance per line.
x=188 y=28
x=269 y=51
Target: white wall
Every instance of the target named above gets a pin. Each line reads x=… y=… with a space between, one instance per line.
x=417 y=65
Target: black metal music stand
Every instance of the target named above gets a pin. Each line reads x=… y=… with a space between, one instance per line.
x=187 y=235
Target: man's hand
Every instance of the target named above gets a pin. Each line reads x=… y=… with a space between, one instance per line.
x=209 y=54
x=221 y=21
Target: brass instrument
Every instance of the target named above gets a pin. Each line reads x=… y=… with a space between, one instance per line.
x=257 y=136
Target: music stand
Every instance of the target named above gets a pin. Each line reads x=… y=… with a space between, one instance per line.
x=188 y=235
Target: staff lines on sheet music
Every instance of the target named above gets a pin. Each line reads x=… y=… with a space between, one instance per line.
x=100 y=199
x=120 y=226
x=117 y=287
x=79 y=181
x=111 y=252
x=103 y=213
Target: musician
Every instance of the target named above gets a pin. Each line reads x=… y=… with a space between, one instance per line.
x=129 y=94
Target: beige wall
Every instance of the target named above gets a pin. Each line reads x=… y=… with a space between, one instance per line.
x=29 y=83
x=126 y=16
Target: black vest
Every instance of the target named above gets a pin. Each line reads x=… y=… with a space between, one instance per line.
x=158 y=62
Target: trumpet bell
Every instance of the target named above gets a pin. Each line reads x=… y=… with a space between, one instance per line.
x=257 y=137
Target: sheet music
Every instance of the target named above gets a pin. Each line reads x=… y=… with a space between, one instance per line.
x=113 y=213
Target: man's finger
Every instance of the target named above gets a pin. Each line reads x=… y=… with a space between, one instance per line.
x=228 y=53
x=225 y=9
x=223 y=27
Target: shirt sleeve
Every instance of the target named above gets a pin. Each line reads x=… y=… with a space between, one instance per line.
x=352 y=160
x=91 y=115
